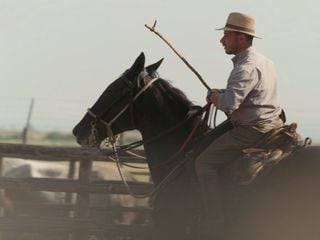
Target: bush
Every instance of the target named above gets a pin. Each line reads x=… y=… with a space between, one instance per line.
x=59 y=136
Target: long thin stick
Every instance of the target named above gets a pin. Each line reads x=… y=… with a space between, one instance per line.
x=152 y=29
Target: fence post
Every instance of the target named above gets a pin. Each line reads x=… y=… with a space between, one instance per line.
x=1 y=165
x=71 y=175
x=26 y=128
x=1 y=190
x=82 y=205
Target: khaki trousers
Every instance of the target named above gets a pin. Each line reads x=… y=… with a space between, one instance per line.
x=218 y=154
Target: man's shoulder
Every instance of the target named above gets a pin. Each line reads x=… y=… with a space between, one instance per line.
x=255 y=61
x=256 y=57
x=245 y=67
x=241 y=71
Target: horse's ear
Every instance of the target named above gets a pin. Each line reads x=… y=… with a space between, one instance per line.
x=153 y=67
x=137 y=67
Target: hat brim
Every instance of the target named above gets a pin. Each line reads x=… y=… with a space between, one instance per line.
x=237 y=30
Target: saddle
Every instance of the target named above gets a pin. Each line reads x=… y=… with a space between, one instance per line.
x=259 y=159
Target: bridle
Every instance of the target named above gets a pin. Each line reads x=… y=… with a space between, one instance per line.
x=112 y=137
x=108 y=124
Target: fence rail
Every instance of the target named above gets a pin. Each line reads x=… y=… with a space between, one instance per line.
x=61 y=153
x=68 y=185
x=83 y=223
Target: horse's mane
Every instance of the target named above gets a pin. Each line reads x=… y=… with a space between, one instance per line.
x=174 y=94
x=165 y=88
x=165 y=97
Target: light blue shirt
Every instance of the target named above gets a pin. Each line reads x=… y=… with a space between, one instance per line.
x=250 y=97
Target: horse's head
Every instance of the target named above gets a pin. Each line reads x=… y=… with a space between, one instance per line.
x=113 y=111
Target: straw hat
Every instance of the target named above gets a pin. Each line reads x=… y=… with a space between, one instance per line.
x=240 y=22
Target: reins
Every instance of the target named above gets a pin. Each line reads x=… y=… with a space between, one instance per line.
x=206 y=109
x=128 y=147
x=112 y=140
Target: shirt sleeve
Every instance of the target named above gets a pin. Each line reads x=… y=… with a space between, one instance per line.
x=241 y=81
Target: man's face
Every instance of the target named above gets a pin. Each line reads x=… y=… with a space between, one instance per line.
x=230 y=42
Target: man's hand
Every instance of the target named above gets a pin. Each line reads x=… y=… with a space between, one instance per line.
x=213 y=96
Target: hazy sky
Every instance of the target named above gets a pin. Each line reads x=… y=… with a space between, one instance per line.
x=68 y=51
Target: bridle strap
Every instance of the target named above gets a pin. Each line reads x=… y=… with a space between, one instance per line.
x=142 y=90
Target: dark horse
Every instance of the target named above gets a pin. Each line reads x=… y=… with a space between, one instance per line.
x=285 y=205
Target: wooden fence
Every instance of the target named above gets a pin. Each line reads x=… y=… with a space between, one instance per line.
x=82 y=223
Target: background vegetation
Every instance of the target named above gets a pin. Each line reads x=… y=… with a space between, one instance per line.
x=54 y=138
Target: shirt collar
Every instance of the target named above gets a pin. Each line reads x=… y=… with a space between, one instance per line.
x=242 y=55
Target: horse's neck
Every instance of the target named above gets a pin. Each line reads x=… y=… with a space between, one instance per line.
x=162 y=147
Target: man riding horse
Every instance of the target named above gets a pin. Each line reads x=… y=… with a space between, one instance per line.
x=140 y=99
x=250 y=101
